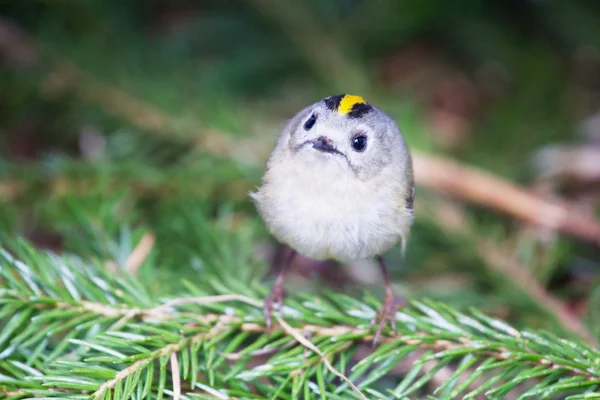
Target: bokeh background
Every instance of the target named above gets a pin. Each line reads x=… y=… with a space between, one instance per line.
x=130 y=130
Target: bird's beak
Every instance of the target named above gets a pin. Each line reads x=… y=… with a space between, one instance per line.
x=324 y=144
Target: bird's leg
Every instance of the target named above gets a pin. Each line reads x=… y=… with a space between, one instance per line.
x=275 y=262
x=277 y=294
x=390 y=304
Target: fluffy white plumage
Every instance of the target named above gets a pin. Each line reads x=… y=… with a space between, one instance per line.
x=343 y=205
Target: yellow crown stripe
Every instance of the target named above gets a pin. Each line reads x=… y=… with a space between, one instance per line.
x=348 y=101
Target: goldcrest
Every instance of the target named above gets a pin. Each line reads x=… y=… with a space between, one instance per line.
x=338 y=185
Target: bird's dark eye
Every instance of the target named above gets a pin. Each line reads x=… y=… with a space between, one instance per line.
x=310 y=122
x=359 y=143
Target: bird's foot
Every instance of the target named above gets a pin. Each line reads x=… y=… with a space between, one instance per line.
x=274 y=299
x=385 y=313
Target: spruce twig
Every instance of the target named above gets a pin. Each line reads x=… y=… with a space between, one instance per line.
x=64 y=337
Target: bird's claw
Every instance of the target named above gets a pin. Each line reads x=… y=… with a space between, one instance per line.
x=385 y=313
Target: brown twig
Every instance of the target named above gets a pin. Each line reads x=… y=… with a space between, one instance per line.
x=176 y=376
x=136 y=258
x=485 y=189
x=140 y=253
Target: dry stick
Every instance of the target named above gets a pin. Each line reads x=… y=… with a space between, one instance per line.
x=306 y=343
x=140 y=252
x=483 y=188
x=176 y=377
x=136 y=258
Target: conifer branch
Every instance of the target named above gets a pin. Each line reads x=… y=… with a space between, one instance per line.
x=85 y=354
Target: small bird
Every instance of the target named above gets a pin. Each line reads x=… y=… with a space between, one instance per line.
x=338 y=185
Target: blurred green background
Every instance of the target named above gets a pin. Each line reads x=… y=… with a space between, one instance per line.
x=148 y=121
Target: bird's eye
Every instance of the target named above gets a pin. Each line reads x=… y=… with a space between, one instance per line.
x=359 y=143
x=310 y=122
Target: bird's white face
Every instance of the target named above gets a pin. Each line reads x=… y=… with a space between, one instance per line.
x=345 y=132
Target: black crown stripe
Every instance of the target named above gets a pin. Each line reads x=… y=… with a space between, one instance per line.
x=359 y=109
x=333 y=102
